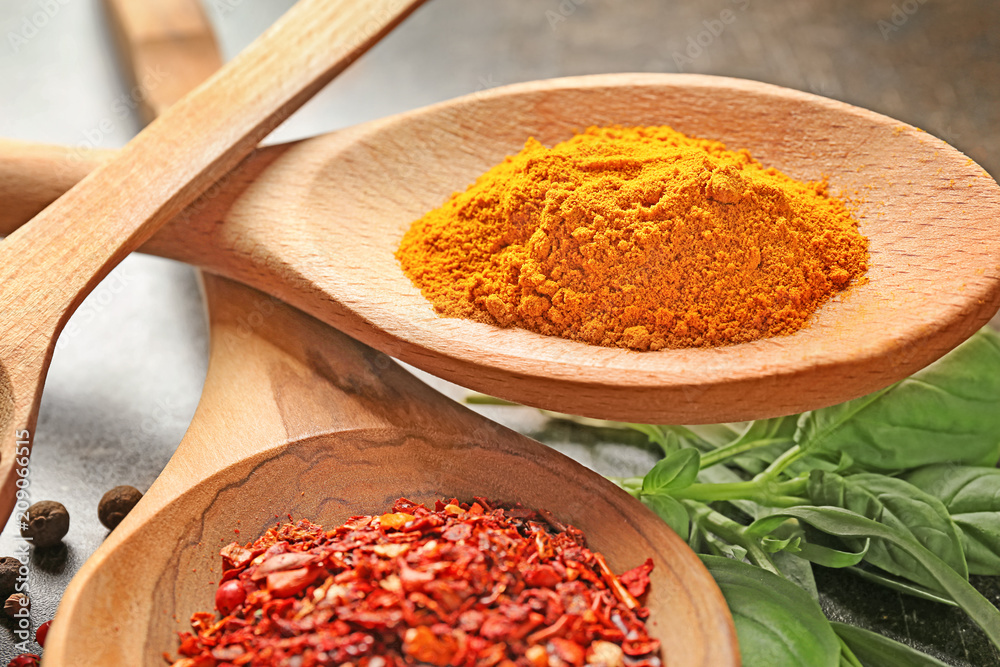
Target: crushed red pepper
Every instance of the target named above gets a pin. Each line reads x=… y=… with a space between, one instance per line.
x=464 y=585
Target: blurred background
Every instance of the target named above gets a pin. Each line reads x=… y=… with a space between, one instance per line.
x=128 y=371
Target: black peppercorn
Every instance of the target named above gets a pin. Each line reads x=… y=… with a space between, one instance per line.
x=116 y=503
x=48 y=523
x=9 y=567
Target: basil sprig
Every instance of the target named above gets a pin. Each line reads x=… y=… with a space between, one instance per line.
x=902 y=481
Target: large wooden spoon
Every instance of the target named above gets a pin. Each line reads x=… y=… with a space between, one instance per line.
x=48 y=267
x=317 y=222
x=297 y=418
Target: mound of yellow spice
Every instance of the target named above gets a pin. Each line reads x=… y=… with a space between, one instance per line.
x=636 y=237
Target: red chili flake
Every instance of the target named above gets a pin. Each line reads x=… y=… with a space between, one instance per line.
x=25 y=660
x=459 y=531
x=235 y=556
x=636 y=580
x=616 y=586
x=543 y=576
x=281 y=563
x=42 y=632
x=550 y=631
x=228 y=653
x=469 y=585
x=567 y=651
x=291 y=582
x=423 y=646
x=397 y=520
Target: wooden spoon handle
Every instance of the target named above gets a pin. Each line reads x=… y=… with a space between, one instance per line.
x=32 y=176
x=168 y=46
x=117 y=207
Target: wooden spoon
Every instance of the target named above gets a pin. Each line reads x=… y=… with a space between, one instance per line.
x=297 y=418
x=316 y=223
x=47 y=268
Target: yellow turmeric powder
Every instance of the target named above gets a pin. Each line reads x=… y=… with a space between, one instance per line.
x=636 y=237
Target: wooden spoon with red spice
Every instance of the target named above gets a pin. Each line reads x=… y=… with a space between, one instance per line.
x=298 y=418
x=317 y=222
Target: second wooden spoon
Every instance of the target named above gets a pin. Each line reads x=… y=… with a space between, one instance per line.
x=297 y=418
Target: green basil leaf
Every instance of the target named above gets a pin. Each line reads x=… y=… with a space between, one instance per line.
x=666 y=440
x=719 y=547
x=905 y=587
x=676 y=471
x=767 y=524
x=901 y=506
x=758 y=443
x=874 y=650
x=821 y=460
x=972 y=498
x=773 y=545
x=672 y=512
x=844 y=523
x=947 y=412
x=755 y=461
x=777 y=430
x=828 y=557
x=981 y=540
x=778 y=525
x=710 y=436
x=797 y=570
x=777 y=623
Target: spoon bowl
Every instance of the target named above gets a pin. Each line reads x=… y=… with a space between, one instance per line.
x=299 y=419
x=930 y=214
x=317 y=223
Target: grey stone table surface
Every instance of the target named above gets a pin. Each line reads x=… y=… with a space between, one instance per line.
x=127 y=374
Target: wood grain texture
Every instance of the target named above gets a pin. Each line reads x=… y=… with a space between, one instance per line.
x=297 y=418
x=316 y=223
x=49 y=266
x=32 y=176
